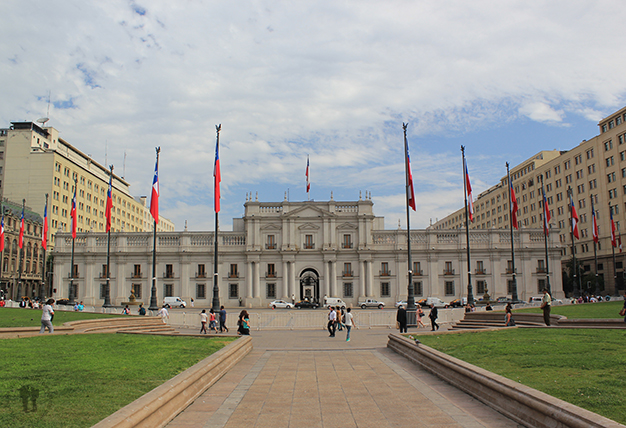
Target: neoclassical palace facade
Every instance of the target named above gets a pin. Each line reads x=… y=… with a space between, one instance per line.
x=305 y=249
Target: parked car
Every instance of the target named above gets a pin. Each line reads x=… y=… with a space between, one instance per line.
x=63 y=302
x=535 y=299
x=172 y=302
x=402 y=303
x=458 y=303
x=433 y=300
x=371 y=303
x=504 y=300
x=281 y=304
x=307 y=304
x=334 y=302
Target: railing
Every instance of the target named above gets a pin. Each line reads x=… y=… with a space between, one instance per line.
x=270 y=246
x=309 y=246
x=168 y=275
x=233 y=275
x=201 y=240
x=347 y=208
x=481 y=272
x=509 y=271
x=201 y=275
x=541 y=270
x=347 y=274
x=347 y=245
x=233 y=240
x=418 y=273
x=448 y=271
x=385 y=273
x=270 y=274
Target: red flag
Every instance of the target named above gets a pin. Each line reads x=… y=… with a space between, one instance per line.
x=546 y=215
x=513 y=206
x=619 y=239
x=574 y=219
x=217 y=177
x=308 y=179
x=470 y=205
x=594 y=230
x=409 y=176
x=2 y=234
x=44 y=233
x=110 y=203
x=154 y=198
x=21 y=239
x=613 y=237
x=73 y=215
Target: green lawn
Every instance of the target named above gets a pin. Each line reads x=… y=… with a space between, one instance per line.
x=584 y=367
x=79 y=380
x=602 y=310
x=18 y=317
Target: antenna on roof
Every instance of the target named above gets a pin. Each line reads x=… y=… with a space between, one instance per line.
x=43 y=120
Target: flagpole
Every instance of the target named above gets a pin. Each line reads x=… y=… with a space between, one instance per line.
x=107 y=292
x=410 y=302
x=153 y=291
x=470 y=293
x=613 y=241
x=44 y=238
x=19 y=278
x=545 y=233
x=571 y=223
x=595 y=244
x=216 y=289
x=71 y=291
x=514 y=295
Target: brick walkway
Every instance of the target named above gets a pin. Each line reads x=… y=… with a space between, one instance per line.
x=307 y=379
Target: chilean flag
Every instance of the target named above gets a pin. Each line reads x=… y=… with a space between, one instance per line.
x=613 y=238
x=574 y=219
x=110 y=203
x=594 y=230
x=44 y=234
x=308 y=178
x=73 y=215
x=217 y=177
x=469 y=192
x=546 y=215
x=619 y=239
x=514 y=206
x=2 y=234
x=409 y=177
x=21 y=239
x=154 y=198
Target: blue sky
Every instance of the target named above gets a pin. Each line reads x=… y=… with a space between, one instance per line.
x=334 y=80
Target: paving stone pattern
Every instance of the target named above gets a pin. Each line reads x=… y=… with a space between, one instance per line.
x=307 y=379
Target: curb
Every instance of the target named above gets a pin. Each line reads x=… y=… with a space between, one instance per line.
x=159 y=406
x=522 y=404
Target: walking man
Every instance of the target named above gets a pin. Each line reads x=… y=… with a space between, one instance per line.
x=223 y=319
x=349 y=322
x=332 y=318
x=46 y=317
x=433 y=317
x=401 y=318
x=546 y=304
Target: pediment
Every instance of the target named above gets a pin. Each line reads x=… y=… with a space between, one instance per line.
x=347 y=226
x=308 y=226
x=271 y=227
x=309 y=211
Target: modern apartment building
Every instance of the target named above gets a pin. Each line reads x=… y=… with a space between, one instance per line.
x=595 y=170
x=305 y=249
x=35 y=161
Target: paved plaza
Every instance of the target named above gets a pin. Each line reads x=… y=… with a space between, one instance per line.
x=307 y=379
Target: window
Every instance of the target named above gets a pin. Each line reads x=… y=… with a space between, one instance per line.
x=557 y=169
x=417 y=268
x=347 y=241
x=541 y=285
x=567 y=164
x=578 y=159
x=271 y=270
x=558 y=183
x=612 y=193
x=233 y=291
x=347 y=270
x=308 y=242
x=200 y=291
x=509 y=267
x=385 y=290
x=136 y=290
x=480 y=267
x=480 y=287
x=608 y=145
x=271 y=242
x=541 y=266
x=201 y=271
x=581 y=188
x=579 y=174
x=347 y=289
x=610 y=161
x=137 y=271
x=168 y=290
x=449 y=286
x=610 y=177
x=384 y=269
x=417 y=288
x=169 y=272
x=270 y=291
x=448 y=269
x=511 y=284
x=103 y=291
x=591 y=168
x=592 y=184
x=233 y=272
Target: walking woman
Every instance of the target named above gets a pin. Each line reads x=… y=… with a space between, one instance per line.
x=244 y=323
x=46 y=317
x=349 y=322
x=203 y=320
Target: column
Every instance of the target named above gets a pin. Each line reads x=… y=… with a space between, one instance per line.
x=249 y=280
x=333 y=279
x=257 y=279
x=362 y=292
x=285 y=282
x=369 y=279
x=326 y=288
x=294 y=278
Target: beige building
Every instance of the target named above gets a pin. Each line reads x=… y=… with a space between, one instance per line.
x=596 y=168
x=35 y=161
x=305 y=249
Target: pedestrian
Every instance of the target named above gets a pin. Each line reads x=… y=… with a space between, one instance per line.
x=349 y=322
x=223 y=319
x=546 y=303
x=433 y=317
x=192 y=302
x=293 y=299
x=212 y=321
x=81 y=307
x=623 y=311
x=126 y=310
x=401 y=318
x=204 y=318
x=419 y=315
x=339 y=320
x=142 y=310
x=488 y=307
x=46 y=317
x=164 y=314
x=332 y=318
x=243 y=323
x=508 y=316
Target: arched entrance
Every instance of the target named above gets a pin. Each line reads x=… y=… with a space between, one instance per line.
x=310 y=285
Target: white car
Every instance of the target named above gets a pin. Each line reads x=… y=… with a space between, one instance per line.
x=281 y=304
x=403 y=303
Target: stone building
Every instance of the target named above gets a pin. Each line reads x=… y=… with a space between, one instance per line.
x=304 y=249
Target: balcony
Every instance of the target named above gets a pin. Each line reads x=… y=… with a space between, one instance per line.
x=418 y=272
x=200 y=274
x=347 y=274
x=270 y=246
x=346 y=245
x=448 y=271
x=270 y=274
x=541 y=270
x=233 y=275
x=509 y=271
x=168 y=275
x=481 y=272
x=385 y=273
x=309 y=246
